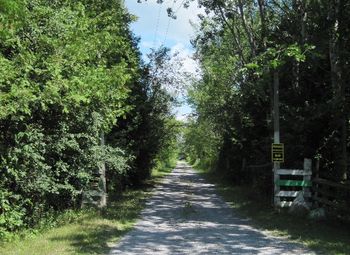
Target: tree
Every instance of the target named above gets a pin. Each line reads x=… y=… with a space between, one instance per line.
x=71 y=71
x=240 y=46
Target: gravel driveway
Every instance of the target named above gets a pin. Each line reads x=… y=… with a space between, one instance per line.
x=186 y=216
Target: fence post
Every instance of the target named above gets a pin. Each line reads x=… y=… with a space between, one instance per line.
x=315 y=185
x=102 y=182
x=307 y=173
x=276 y=178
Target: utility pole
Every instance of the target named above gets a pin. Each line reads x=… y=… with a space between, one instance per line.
x=276 y=135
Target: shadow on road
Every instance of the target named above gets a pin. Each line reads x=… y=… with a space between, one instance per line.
x=186 y=216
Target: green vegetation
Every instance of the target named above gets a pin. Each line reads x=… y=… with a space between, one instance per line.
x=90 y=230
x=74 y=96
x=327 y=237
x=86 y=231
x=163 y=169
x=245 y=50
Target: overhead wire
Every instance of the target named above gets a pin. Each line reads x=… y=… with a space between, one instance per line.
x=157 y=26
x=169 y=18
x=183 y=1
x=168 y=25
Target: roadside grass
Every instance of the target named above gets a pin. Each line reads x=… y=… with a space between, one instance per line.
x=92 y=232
x=87 y=231
x=163 y=169
x=324 y=237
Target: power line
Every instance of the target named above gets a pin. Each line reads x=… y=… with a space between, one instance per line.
x=157 y=25
x=168 y=25
x=179 y=6
x=169 y=18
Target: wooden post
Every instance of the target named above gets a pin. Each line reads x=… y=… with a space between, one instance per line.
x=317 y=168
x=317 y=175
x=307 y=174
x=96 y=195
x=276 y=136
x=244 y=164
x=102 y=183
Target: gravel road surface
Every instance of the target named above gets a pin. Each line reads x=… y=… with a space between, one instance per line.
x=186 y=216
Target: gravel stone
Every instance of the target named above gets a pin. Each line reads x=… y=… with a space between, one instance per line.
x=186 y=216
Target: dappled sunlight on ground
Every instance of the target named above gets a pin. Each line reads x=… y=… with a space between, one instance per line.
x=186 y=216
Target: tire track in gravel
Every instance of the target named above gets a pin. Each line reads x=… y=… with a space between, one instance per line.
x=186 y=216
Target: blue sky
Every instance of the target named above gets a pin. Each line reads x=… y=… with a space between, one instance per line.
x=155 y=28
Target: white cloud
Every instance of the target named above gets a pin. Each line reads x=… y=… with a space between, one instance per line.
x=153 y=20
x=188 y=64
x=156 y=28
x=182 y=118
x=182 y=113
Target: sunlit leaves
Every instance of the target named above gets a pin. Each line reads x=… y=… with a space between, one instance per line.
x=66 y=74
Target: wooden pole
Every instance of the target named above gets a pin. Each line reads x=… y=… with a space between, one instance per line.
x=102 y=182
x=276 y=136
x=307 y=174
x=317 y=175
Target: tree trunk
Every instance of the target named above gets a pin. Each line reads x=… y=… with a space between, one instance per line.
x=338 y=89
x=263 y=23
x=246 y=28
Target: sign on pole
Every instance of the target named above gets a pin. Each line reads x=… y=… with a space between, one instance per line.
x=276 y=135
x=277 y=152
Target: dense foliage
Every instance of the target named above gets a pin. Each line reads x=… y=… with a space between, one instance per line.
x=71 y=71
x=244 y=47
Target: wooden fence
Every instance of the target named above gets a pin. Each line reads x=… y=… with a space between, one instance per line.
x=334 y=196
x=289 y=183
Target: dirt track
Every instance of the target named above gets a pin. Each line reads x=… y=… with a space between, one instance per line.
x=186 y=216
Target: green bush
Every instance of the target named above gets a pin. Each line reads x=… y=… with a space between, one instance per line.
x=69 y=72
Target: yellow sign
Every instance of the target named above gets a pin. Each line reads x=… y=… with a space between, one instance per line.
x=277 y=152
